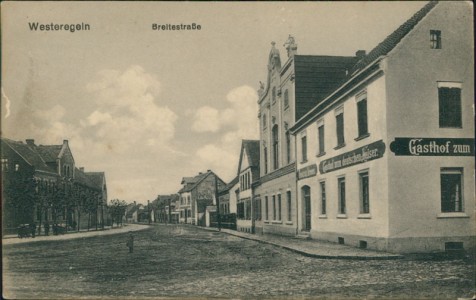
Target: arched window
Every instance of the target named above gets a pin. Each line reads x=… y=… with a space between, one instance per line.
x=288 y=147
x=275 y=147
x=264 y=121
x=274 y=95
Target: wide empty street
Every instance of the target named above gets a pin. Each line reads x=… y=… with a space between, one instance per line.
x=185 y=261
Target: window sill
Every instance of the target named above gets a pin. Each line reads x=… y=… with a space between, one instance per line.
x=322 y=216
x=289 y=223
x=362 y=137
x=303 y=161
x=342 y=216
x=364 y=216
x=339 y=146
x=450 y=215
x=321 y=154
x=277 y=222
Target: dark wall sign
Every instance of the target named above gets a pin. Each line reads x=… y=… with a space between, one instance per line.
x=432 y=146
x=352 y=158
x=308 y=171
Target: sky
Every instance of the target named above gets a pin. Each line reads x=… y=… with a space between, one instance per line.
x=149 y=107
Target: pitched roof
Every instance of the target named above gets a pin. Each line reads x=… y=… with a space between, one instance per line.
x=97 y=178
x=29 y=154
x=231 y=184
x=82 y=178
x=251 y=148
x=196 y=181
x=394 y=38
x=49 y=152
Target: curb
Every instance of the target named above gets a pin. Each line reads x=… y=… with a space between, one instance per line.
x=307 y=254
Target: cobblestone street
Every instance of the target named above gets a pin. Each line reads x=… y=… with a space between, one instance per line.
x=185 y=261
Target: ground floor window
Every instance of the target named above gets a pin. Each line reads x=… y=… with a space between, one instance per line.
x=288 y=202
x=240 y=210
x=364 y=192
x=248 y=209
x=341 y=193
x=451 y=189
x=266 y=209
x=274 y=207
x=279 y=207
x=322 y=184
x=257 y=209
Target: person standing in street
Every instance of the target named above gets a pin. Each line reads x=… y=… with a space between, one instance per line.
x=130 y=242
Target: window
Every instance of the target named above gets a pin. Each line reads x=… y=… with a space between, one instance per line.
x=275 y=148
x=274 y=95
x=364 y=192
x=340 y=129
x=240 y=210
x=17 y=167
x=288 y=147
x=188 y=199
x=435 y=39
x=288 y=202
x=264 y=121
x=265 y=154
x=304 y=148
x=341 y=192
x=320 y=137
x=248 y=209
x=274 y=207
x=323 y=197
x=449 y=98
x=451 y=190
x=4 y=164
x=257 y=209
x=266 y=207
x=279 y=207
x=286 y=99
x=362 y=117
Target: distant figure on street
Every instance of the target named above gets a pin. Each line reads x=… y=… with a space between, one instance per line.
x=130 y=242
x=47 y=228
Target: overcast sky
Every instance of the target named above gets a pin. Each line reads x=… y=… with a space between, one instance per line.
x=150 y=107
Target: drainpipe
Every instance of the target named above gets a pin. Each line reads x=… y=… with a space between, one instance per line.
x=297 y=190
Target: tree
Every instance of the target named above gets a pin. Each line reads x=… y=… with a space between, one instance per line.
x=117 y=209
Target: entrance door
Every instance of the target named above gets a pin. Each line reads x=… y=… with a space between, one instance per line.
x=306 y=193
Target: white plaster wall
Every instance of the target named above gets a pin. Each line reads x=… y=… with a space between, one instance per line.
x=377 y=224
x=413 y=70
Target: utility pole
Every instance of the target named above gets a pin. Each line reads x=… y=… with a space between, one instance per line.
x=217 y=203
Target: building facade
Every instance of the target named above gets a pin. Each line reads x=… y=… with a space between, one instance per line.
x=290 y=91
x=41 y=184
x=386 y=161
x=196 y=194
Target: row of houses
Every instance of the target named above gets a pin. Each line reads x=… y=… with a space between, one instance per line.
x=42 y=184
x=374 y=150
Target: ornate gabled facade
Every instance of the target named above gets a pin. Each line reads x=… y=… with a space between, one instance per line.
x=41 y=184
x=291 y=90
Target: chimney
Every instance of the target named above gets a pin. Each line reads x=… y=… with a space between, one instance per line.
x=30 y=142
x=360 y=53
x=81 y=169
x=199 y=173
x=209 y=170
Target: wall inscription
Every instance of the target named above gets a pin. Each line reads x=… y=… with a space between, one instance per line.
x=405 y=146
x=360 y=155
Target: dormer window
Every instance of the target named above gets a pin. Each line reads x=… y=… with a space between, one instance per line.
x=435 y=39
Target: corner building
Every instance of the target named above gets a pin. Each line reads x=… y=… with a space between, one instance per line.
x=386 y=161
x=290 y=91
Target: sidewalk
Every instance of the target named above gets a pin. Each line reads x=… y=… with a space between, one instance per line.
x=13 y=239
x=313 y=248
